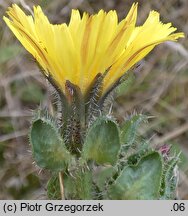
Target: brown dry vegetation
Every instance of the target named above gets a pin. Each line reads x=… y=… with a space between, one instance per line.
x=160 y=90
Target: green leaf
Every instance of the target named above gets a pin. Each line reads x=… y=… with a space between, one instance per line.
x=70 y=189
x=102 y=142
x=169 y=183
x=79 y=185
x=84 y=185
x=129 y=129
x=142 y=150
x=183 y=159
x=139 y=182
x=102 y=176
x=49 y=150
x=53 y=188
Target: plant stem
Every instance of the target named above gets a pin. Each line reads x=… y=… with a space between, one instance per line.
x=61 y=185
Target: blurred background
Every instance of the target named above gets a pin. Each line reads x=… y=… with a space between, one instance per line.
x=160 y=90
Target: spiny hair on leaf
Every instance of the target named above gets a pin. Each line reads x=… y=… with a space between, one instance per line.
x=129 y=134
x=134 y=113
x=108 y=107
x=97 y=120
x=92 y=119
x=137 y=156
x=169 y=178
x=128 y=149
x=172 y=162
x=45 y=116
x=106 y=102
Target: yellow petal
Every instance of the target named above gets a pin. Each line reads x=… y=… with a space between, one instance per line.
x=88 y=45
x=143 y=39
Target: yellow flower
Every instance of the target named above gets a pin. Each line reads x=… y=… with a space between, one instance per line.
x=88 y=45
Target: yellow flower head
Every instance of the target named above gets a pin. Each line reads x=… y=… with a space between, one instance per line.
x=88 y=45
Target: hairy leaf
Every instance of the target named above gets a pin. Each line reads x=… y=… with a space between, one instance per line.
x=49 y=150
x=102 y=142
x=141 y=181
